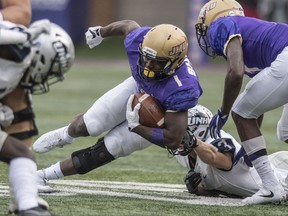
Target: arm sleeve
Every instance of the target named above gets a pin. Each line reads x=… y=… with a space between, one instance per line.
x=12 y=37
x=220 y=33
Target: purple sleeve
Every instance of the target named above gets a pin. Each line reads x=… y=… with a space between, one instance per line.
x=220 y=32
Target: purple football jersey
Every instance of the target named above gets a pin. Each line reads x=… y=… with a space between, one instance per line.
x=177 y=92
x=262 y=41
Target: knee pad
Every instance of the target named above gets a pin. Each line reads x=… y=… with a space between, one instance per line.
x=23 y=115
x=23 y=126
x=91 y=158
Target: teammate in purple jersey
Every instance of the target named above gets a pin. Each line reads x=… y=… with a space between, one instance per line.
x=259 y=49
x=159 y=67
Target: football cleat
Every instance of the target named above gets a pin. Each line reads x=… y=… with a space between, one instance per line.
x=36 y=211
x=264 y=196
x=42 y=183
x=13 y=208
x=51 y=140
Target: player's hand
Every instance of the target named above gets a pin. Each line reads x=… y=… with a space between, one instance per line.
x=132 y=116
x=188 y=143
x=192 y=180
x=6 y=115
x=37 y=28
x=93 y=36
x=216 y=124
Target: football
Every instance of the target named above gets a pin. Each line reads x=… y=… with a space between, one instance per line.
x=151 y=113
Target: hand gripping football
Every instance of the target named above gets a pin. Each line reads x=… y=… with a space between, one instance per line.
x=151 y=113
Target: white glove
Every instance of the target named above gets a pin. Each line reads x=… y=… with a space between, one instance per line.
x=132 y=116
x=6 y=115
x=38 y=27
x=93 y=36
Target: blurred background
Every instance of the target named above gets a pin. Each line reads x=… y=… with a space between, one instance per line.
x=76 y=16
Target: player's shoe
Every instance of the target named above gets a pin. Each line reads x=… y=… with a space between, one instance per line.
x=36 y=211
x=51 y=140
x=13 y=208
x=42 y=183
x=264 y=196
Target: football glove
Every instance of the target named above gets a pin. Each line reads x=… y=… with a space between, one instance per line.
x=192 y=180
x=132 y=115
x=38 y=27
x=217 y=122
x=93 y=36
x=188 y=143
x=6 y=115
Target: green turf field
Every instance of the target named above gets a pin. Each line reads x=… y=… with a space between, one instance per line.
x=86 y=82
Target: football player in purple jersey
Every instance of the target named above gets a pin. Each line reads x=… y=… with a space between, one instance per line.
x=159 y=67
x=258 y=49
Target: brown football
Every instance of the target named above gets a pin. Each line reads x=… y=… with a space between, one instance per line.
x=151 y=113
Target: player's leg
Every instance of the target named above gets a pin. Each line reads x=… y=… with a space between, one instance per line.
x=251 y=104
x=23 y=126
x=107 y=112
x=282 y=126
x=22 y=174
x=119 y=142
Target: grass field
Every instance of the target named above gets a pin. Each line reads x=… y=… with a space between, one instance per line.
x=86 y=82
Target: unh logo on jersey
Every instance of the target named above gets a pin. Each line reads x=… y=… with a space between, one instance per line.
x=199 y=121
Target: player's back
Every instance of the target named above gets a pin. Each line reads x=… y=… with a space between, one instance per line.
x=261 y=40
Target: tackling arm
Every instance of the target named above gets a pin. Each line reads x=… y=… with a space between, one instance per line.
x=209 y=155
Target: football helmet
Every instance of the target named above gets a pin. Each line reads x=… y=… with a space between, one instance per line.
x=54 y=55
x=199 y=118
x=166 y=45
x=209 y=13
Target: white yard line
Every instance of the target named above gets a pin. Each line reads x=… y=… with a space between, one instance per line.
x=149 y=191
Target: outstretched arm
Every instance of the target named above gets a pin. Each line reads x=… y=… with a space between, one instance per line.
x=95 y=35
x=119 y=28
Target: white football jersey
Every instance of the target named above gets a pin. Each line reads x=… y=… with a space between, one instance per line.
x=241 y=180
x=11 y=72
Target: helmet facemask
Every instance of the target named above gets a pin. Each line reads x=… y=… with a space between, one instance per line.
x=147 y=54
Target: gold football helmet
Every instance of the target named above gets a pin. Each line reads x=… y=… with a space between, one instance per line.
x=167 y=46
x=209 y=13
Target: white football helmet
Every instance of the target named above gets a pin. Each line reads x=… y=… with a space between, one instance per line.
x=199 y=118
x=54 y=55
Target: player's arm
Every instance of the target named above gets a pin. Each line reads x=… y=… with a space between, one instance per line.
x=171 y=135
x=235 y=73
x=119 y=28
x=211 y=156
x=17 y=11
x=95 y=35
